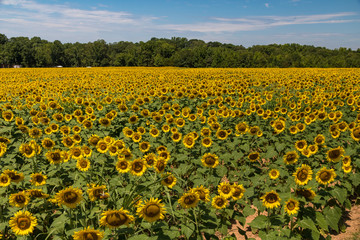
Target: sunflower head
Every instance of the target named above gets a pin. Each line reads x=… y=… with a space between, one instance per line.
x=291 y=157
x=151 y=210
x=325 y=176
x=303 y=174
x=254 y=156
x=169 y=180
x=5 y=180
x=88 y=234
x=306 y=192
x=210 y=160
x=204 y=193
x=335 y=154
x=138 y=167
x=23 y=223
x=189 y=199
x=292 y=206
x=274 y=173
x=69 y=197
x=38 y=179
x=219 y=202
x=97 y=192
x=116 y=218
x=225 y=189
x=271 y=199
x=20 y=199
x=238 y=191
x=83 y=164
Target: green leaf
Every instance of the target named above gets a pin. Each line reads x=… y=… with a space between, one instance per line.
x=259 y=222
x=188 y=229
x=308 y=223
x=340 y=194
x=320 y=219
x=139 y=237
x=270 y=153
x=247 y=211
x=332 y=216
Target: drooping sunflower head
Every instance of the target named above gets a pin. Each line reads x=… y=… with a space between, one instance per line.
x=325 y=176
x=151 y=210
x=88 y=234
x=97 y=192
x=23 y=223
x=271 y=199
x=37 y=193
x=210 y=160
x=303 y=174
x=189 y=199
x=292 y=206
x=69 y=197
x=335 y=154
x=160 y=164
x=14 y=175
x=116 y=218
x=306 y=192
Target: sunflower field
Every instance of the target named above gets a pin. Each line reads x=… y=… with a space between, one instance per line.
x=172 y=153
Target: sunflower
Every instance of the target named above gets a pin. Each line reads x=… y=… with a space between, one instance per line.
x=116 y=218
x=204 y=193
x=151 y=210
x=292 y=206
x=14 y=175
x=38 y=179
x=165 y=155
x=97 y=192
x=293 y=130
x=221 y=134
x=176 y=136
x=303 y=174
x=144 y=146
x=346 y=161
x=238 y=191
x=3 y=148
x=154 y=132
x=88 y=234
x=37 y=193
x=206 y=142
x=300 y=145
x=189 y=141
x=169 y=180
x=219 y=202
x=355 y=133
x=19 y=200
x=205 y=132
x=105 y=122
x=319 y=139
x=122 y=165
x=242 y=127
x=138 y=167
x=313 y=148
x=291 y=157
x=274 y=173
x=23 y=223
x=271 y=199
x=160 y=164
x=5 y=180
x=68 y=141
x=126 y=153
x=93 y=140
x=83 y=164
x=210 y=160
x=306 y=192
x=279 y=126
x=35 y=133
x=48 y=143
x=102 y=146
x=86 y=151
x=54 y=157
x=136 y=137
x=189 y=199
x=225 y=189
x=347 y=169
x=254 y=156
x=325 y=176
x=335 y=154
x=69 y=197
x=8 y=115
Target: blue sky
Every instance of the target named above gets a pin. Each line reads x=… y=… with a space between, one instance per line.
x=327 y=23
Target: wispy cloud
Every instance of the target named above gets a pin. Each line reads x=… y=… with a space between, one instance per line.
x=267 y=5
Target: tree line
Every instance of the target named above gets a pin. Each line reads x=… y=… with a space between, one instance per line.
x=177 y=51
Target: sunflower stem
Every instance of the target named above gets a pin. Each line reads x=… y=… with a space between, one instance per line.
x=169 y=199
x=196 y=222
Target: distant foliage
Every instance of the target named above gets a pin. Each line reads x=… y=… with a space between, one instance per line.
x=177 y=51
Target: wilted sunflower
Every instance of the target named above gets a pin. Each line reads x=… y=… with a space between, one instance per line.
x=303 y=174
x=14 y=175
x=325 y=176
x=151 y=210
x=5 y=180
x=122 y=165
x=253 y=156
x=160 y=164
x=169 y=180
x=188 y=141
x=37 y=193
x=219 y=202
x=210 y=160
x=97 y=192
x=238 y=191
x=23 y=223
x=271 y=199
x=225 y=189
x=69 y=197
x=38 y=179
x=189 y=199
x=274 y=173
x=83 y=164
x=20 y=199
x=204 y=193
x=335 y=154
x=116 y=218
x=138 y=167
x=88 y=234
x=292 y=206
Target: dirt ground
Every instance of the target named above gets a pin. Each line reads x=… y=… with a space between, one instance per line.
x=352 y=223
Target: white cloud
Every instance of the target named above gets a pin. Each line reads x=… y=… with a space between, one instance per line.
x=267 y=5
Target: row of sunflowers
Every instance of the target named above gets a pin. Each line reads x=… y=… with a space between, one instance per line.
x=168 y=153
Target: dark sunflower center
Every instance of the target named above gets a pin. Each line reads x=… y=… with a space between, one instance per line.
x=116 y=219
x=70 y=197
x=201 y=194
x=334 y=154
x=160 y=166
x=28 y=150
x=56 y=157
x=144 y=146
x=226 y=189
x=210 y=160
x=219 y=202
x=290 y=205
x=98 y=192
x=15 y=177
x=20 y=199
x=39 y=178
x=271 y=198
x=123 y=165
x=152 y=210
x=83 y=164
x=190 y=199
x=189 y=141
x=356 y=133
x=325 y=176
x=23 y=223
x=253 y=156
x=273 y=173
x=48 y=144
x=206 y=141
x=301 y=145
x=169 y=180
x=279 y=126
x=222 y=134
x=90 y=236
x=4 y=179
x=138 y=166
x=302 y=175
